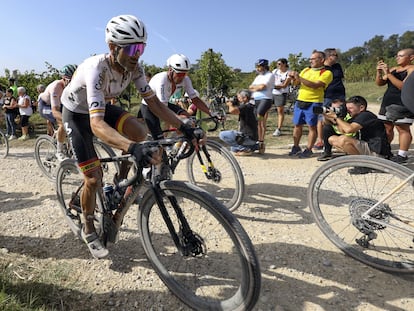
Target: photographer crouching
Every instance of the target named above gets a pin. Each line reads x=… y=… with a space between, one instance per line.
x=370 y=136
x=329 y=129
x=244 y=141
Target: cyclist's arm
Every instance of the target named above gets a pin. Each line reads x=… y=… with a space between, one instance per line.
x=55 y=102
x=162 y=111
x=200 y=105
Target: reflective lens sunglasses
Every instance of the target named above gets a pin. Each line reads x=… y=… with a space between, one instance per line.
x=133 y=49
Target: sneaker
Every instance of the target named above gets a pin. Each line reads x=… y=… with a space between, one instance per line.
x=307 y=153
x=318 y=146
x=295 y=150
x=277 y=132
x=94 y=244
x=60 y=156
x=359 y=170
x=12 y=137
x=23 y=137
x=243 y=153
x=325 y=156
x=262 y=147
x=399 y=159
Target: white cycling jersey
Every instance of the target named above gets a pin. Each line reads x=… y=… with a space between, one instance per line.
x=94 y=83
x=163 y=88
x=53 y=93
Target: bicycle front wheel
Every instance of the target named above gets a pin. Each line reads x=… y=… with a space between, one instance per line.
x=222 y=177
x=45 y=154
x=4 y=145
x=225 y=275
x=344 y=188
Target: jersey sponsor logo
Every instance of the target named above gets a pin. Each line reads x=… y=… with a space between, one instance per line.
x=93 y=105
x=99 y=84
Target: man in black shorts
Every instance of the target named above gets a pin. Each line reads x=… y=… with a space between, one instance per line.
x=85 y=112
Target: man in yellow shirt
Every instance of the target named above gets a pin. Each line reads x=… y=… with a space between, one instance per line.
x=313 y=82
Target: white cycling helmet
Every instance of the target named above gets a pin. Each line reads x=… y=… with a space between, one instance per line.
x=125 y=29
x=179 y=63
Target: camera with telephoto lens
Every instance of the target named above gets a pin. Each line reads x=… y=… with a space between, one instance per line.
x=339 y=111
x=235 y=101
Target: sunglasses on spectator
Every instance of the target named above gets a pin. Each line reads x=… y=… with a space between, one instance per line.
x=133 y=49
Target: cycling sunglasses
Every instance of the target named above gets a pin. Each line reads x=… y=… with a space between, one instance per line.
x=133 y=49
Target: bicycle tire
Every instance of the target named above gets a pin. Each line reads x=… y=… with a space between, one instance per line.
x=69 y=180
x=45 y=155
x=228 y=277
x=230 y=188
x=337 y=199
x=4 y=145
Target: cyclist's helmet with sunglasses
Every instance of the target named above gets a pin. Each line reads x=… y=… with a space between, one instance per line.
x=179 y=63
x=125 y=29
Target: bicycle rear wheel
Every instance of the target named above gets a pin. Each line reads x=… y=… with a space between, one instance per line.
x=224 y=179
x=226 y=276
x=4 y=145
x=45 y=154
x=337 y=198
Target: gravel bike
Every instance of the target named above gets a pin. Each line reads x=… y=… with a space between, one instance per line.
x=215 y=169
x=45 y=154
x=365 y=206
x=4 y=145
x=195 y=244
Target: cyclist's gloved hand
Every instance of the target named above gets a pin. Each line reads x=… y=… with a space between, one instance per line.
x=191 y=132
x=143 y=154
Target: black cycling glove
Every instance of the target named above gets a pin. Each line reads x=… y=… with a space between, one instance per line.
x=142 y=154
x=191 y=132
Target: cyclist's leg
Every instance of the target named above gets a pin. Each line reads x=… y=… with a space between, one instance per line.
x=152 y=121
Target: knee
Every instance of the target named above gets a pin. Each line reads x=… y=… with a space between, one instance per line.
x=93 y=180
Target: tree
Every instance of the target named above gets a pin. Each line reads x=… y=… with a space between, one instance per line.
x=212 y=73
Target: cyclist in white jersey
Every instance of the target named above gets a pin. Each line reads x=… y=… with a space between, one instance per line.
x=173 y=83
x=50 y=106
x=85 y=112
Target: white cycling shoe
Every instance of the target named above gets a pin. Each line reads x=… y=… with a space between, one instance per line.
x=94 y=244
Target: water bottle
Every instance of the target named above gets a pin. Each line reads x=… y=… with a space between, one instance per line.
x=108 y=191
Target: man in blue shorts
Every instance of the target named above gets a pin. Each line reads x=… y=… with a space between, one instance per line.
x=313 y=81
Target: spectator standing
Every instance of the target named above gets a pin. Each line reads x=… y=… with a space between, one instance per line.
x=262 y=87
x=371 y=138
x=244 y=141
x=280 y=91
x=25 y=110
x=394 y=79
x=313 y=81
x=13 y=86
x=335 y=89
x=11 y=110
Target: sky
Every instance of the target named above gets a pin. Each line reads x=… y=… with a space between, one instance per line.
x=63 y=32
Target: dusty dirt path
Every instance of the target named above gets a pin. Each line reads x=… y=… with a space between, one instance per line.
x=301 y=269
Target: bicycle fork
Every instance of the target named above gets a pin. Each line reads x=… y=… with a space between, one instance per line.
x=187 y=242
x=211 y=172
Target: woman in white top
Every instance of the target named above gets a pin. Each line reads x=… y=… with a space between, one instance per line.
x=25 y=110
x=280 y=91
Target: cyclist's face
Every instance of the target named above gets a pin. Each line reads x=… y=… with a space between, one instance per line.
x=178 y=77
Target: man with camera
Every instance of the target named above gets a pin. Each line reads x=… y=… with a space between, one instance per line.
x=244 y=141
x=329 y=129
x=370 y=138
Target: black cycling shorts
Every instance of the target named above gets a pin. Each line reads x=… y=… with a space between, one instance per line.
x=153 y=122
x=78 y=128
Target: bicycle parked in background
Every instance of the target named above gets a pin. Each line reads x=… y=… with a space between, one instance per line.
x=4 y=145
x=367 y=213
x=195 y=244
